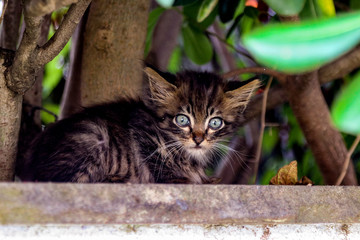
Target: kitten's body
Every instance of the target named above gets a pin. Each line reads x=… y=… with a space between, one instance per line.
x=167 y=137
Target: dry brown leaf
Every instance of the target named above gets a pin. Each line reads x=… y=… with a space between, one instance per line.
x=287 y=175
x=305 y=181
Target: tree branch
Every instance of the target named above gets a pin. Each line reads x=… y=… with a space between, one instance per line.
x=38 y=8
x=30 y=58
x=259 y=70
x=58 y=41
x=10 y=29
x=312 y=114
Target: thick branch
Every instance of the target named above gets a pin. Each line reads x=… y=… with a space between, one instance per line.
x=10 y=29
x=53 y=47
x=21 y=75
x=312 y=113
x=29 y=58
x=38 y=8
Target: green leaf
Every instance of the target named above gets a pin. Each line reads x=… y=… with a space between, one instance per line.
x=153 y=19
x=346 y=108
x=206 y=8
x=165 y=3
x=191 y=12
x=286 y=7
x=196 y=45
x=305 y=46
x=175 y=61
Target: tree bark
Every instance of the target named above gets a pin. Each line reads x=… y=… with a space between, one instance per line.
x=10 y=112
x=30 y=115
x=311 y=111
x=10 y=31
x=114 y=47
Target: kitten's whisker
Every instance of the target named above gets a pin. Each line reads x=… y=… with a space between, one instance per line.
x=234 y=155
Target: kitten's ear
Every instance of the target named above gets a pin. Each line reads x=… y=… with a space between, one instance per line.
x=240 y=97
x=160 y=89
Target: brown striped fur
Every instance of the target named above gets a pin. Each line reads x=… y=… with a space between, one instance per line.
x=140 y=140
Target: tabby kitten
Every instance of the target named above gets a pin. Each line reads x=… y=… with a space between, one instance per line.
x=167 y=137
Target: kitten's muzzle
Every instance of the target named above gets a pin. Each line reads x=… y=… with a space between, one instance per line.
x=198 y=137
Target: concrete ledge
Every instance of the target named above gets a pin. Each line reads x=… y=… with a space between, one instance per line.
x=211 y=205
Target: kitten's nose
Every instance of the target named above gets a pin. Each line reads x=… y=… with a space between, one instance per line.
x=198 y=137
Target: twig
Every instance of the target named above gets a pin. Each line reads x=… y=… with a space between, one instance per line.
x=3 y=10
x=230 y=45
x=260 y=70
x=347 y=160
x=262 y=128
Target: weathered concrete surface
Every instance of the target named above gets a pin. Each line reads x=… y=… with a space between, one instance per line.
x=35 y=203
x=174 y=232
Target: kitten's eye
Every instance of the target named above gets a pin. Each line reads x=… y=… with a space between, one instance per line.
x=182 y=120
x=215 y=123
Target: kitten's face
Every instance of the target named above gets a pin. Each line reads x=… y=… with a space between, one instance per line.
x=197 y=110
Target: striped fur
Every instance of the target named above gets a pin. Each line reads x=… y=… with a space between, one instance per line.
x=140 y=141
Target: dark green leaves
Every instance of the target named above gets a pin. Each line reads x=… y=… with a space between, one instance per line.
x=346 y=108
x=197 y=46
x=305 y=46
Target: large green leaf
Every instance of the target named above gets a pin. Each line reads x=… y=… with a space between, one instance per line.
x=286 y=7
x=346 y=108
x=196 y=45
x=305 y=46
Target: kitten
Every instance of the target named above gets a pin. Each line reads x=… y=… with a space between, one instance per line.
x=167 y=137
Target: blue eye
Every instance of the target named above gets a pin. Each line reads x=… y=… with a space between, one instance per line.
x=182 y=120
x=215 y=123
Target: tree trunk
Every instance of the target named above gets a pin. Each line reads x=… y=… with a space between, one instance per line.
x=30 y=114
x=113 y=48
x=10 y=112
x=310 y=109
